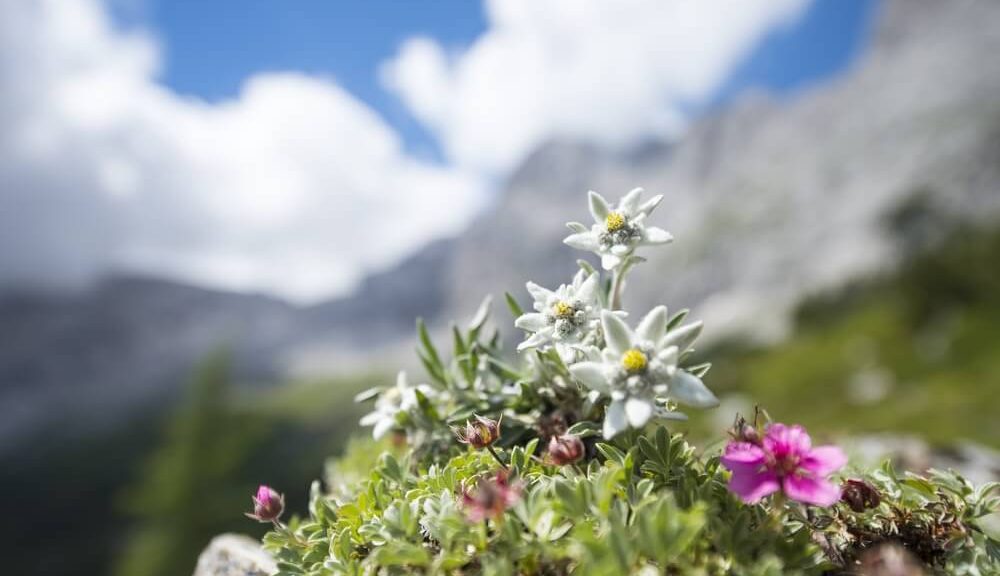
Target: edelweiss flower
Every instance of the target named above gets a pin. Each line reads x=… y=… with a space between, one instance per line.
x=563 y=317
x=399 y=399
x=638 y=370
x=617 y=232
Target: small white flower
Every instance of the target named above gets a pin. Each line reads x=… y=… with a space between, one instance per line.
x=567 y=316
x=638 y=371
x=617 y=231
x=391 y=403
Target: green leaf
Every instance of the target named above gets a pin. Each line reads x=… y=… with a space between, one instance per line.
x=515 y=308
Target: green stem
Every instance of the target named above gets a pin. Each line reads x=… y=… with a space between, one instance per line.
x=496 y=456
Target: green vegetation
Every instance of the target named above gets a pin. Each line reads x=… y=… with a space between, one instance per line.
x=215 y=451
x=914 y=351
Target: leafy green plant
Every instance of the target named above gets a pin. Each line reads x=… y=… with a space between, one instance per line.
x=561 y=463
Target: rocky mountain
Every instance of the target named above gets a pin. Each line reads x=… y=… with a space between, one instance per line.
x=769 y=200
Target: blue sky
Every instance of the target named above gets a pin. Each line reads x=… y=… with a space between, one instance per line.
x=293 y=146
x=212 y=47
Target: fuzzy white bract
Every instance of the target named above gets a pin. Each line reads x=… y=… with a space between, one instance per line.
x=565 y=318
x=617 y=231
x=392 y=403
x=638 y=370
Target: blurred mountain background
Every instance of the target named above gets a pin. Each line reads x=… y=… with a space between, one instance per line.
x=842 y=244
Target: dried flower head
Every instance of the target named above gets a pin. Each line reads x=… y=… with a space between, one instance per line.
x=479 y=432
x=859 y=495
x=491 y=497
x=565 y=449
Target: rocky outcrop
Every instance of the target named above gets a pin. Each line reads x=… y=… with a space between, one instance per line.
x=234 y=555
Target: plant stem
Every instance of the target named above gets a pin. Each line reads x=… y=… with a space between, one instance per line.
x=496 y=456
x=614 y=302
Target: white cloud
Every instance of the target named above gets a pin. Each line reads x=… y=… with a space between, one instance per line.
x=294 y=187
x=609 y=72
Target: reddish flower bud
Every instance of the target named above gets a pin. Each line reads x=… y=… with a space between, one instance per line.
x=479 y=433
x=859 y=495
x=268 y=505
x=565 y=449
x=491 y=498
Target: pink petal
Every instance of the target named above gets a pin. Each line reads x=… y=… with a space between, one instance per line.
x=783 y=440
x=823 y=460
x=751 y=486
x=810 y=490
x=740 y=454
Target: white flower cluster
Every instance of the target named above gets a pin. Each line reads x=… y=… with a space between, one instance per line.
x=637 y=370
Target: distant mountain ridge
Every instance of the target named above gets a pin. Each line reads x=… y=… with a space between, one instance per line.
x=769 y=201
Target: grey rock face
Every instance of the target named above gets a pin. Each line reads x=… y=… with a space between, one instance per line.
x=771 y=201
x=234 y=555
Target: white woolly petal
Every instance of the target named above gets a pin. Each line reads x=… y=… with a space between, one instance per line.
x=668 y=355
x=653 y=326
x=598 y=206
x=382 y=427
x=539 y=293
x=654 y=235
x=532 y=322
x=620 y=249
x=651 y=204
x=536 y=339
x=615 y=421
x=682 y=337
x=582 y=241
x=689 y=389
x=609 y=261
x=592 y=374
x=370 y=418
x=587 y=292
x=576 y=227
x=629 y=204
x=638 y=411
x=617 y=334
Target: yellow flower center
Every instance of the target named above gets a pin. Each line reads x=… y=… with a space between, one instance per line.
x=563 y=310
x=634 y=361
x=614 y=222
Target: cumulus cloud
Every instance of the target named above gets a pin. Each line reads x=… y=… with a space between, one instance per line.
x=609 y=72
x=293 y=187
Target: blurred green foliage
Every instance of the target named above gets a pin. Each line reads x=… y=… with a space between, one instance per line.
x=914 y=350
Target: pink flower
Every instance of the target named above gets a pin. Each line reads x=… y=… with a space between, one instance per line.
x=268 y=505
x=492 y=497
x=784 y=460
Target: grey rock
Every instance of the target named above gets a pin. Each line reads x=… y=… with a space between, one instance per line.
x=234 y=555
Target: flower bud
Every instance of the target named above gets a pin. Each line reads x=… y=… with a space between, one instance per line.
x=268 y=505
x=859 y=495
x=565 y=449
x=743 y=431
x=479 y=433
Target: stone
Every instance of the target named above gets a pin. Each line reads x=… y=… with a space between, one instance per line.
x=235 y=555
